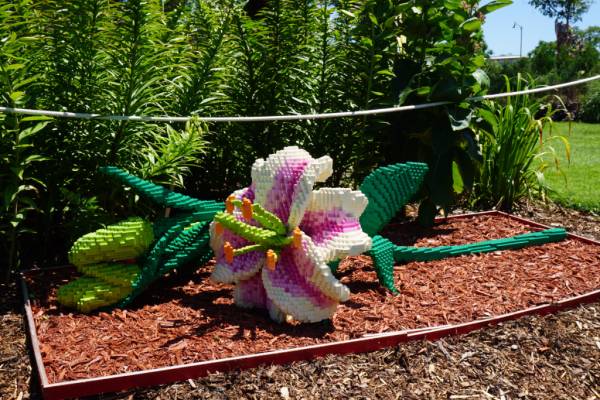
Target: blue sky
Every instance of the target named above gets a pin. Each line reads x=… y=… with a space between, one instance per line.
x=502 y=38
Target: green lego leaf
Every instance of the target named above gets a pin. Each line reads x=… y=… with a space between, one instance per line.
x=161 y=196
x=388 y=190
x=182 y=245
x=334 y=265
x=189 y=244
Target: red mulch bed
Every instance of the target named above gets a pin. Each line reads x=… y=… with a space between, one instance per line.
x=185 y=320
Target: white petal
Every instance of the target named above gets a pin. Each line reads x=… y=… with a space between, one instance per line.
x=344 y=206
x=322 y=276
x=263 y=172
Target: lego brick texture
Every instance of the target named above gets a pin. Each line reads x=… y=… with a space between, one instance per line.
x=388 y=190
x=517 y=242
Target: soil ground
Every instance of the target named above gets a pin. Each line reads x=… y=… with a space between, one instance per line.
x=532 y=358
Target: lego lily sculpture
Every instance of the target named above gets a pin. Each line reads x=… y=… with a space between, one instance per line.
x=278 y=241
x=277 y=236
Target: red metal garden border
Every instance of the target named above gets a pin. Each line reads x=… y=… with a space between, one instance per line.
x=113 y=383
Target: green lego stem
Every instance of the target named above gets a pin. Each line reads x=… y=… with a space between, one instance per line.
x=248 y=249
x=275 y=222
x=517 y=242
x=277 y=252
x=282 y=241
x=384 y=253
x=248 y=232
x=263 y=221
x=161 y=196
x=253 y=234
x=237 y=203
x=268 y=220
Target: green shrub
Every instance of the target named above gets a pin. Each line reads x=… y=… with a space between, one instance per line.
x=549 y=69
x=513 y=141
x=208 y=58
x=590 y=108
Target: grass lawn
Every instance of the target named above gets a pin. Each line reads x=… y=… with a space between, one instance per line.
x=583 y=174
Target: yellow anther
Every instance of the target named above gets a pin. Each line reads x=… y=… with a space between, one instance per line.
x=271 y=259
x=219 y=228
x=228 y=250
x=247 y=209
x=297 y=238
x=228 y=206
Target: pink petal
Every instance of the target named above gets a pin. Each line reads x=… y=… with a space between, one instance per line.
x=318 y=171
x=250 y=293
x=246 y=193
x=243 y=266
x=302 y=285
x=282 y=184
x=332 y=222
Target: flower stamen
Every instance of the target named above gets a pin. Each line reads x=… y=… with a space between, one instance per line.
x=228 y=251
x=229 y=207
x=271 y=260
x=297 y=238
x=219 y=228
x=247 y=209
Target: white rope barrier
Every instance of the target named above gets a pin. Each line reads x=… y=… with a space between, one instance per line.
x=66 y=114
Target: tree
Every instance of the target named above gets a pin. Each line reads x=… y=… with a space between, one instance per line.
x=591 y=36
x=569 y=10
x=543 y=58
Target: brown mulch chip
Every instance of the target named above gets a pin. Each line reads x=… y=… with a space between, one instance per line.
x=15 y=365
x=184 y=320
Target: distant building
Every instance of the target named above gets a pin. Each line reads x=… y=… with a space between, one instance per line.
x=505 y=58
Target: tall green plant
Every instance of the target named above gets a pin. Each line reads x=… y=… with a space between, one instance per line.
x=208 y=58
x=16 y=132
x=375 y=46
x=514 y=142
x=330 y=65
x=72 y=60
x=103 y=57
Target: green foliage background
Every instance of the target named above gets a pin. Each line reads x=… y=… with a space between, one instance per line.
x=544 y=65
x=208 y=58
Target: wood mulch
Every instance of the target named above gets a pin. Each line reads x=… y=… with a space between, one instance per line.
x=580 y=222
x=17 y=380
x=184 y=320
x=554 y=357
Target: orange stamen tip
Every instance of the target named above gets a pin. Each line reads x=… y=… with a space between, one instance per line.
x=297 y=238
x=247 y=209
x=228 y=250
x=271 y=260
x=228 y=206
x=219 y=228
